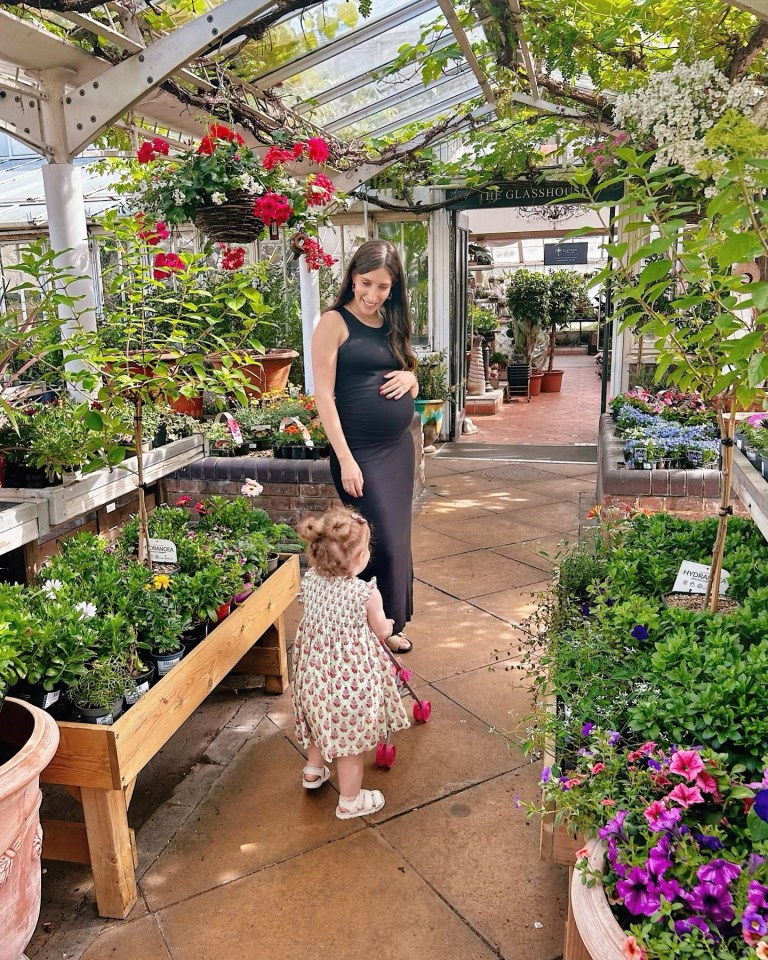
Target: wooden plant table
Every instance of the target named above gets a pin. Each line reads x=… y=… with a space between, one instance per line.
x=99 y=764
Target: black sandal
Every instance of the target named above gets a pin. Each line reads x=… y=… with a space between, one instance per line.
x=395 y=643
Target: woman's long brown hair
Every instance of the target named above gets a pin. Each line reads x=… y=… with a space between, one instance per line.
x=370 y=256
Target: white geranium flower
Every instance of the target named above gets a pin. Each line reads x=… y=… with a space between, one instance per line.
x=218 y=198
x=178 y=197
x=51 y=588
x=86 y=610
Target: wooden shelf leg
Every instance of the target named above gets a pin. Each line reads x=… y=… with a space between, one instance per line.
x=109 y=842
x=274 y=639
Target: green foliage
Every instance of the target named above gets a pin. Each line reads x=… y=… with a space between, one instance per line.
x=432 y=377
x=105 y=682
x=528 y=301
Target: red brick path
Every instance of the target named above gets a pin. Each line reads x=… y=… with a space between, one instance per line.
x=553 y=418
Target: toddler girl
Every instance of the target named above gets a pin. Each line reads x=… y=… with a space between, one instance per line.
x=344 y=692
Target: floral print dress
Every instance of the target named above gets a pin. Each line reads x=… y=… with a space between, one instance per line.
x=344 y=694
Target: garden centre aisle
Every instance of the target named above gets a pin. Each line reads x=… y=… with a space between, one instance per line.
x=240 y=862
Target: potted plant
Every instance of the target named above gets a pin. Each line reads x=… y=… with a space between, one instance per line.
x=292 y=440
x=97 y=695
x=14 y=627
x=566 y=288
x=528 y=302
x=432 y=378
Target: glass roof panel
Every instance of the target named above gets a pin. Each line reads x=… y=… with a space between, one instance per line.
x=306 y=32
x=463 y=87
x=370 y=92
x=372 y=53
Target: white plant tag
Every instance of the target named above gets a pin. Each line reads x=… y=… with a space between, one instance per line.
x=693 y=578
x=162 y=551
x=50 y=698
x=234 y=428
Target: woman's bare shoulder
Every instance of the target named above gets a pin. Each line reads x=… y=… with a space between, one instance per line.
x=332 y=326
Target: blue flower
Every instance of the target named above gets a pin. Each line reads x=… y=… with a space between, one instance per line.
x=546 y=773
x=760 y=805
x=614 y=737
x=639 y=632
x=588 y=728
x=585 y=609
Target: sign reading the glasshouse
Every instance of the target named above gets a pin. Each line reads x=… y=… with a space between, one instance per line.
x=693 y=578
x=556 y=254
x=524 y=193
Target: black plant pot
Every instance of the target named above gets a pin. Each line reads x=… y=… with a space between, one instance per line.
x=143 y=682
x=103 y=716
x=194 y=635
x=165 y=662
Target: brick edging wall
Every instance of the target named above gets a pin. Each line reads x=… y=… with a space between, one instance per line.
x=292 y=488
x=691 y=493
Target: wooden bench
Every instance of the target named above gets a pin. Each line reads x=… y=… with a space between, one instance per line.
x=98 y=765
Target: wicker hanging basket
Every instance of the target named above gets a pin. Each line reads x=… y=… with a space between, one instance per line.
x=230 y=222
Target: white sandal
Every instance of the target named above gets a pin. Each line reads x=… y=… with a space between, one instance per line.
x=322 y=774
x=364 y=804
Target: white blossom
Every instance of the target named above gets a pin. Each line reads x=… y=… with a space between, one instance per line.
x=86 y=610
x=51 y=588
x=251 y=488
x=218 y=198
x=178 y=197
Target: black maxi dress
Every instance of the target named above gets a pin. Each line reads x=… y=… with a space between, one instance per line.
x=377 y=431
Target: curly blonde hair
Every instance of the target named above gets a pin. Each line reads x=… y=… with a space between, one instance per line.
x=333 y=539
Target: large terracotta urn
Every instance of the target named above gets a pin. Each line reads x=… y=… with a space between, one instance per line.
x=270 y=374
x=28 y=740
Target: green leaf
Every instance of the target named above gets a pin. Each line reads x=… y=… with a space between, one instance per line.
x=739 y=247
x=757 y=371
x=758 y=829
x=654 y=271
x=94 y=420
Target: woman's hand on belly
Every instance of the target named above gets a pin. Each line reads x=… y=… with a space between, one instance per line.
x=397 y=384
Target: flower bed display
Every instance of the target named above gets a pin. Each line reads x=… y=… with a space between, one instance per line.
x=658 y=748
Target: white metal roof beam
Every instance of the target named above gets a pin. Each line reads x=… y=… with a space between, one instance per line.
x=433 y=110
x=757 y=7
x=20 y=114
x=348 y=42
x=92 y=107
x=525 y=53
x=392 y=101
x=466 y=48
x=556 y=109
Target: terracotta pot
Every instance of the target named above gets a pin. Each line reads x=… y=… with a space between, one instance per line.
x=192 y=406
x=534 y=388
x=552 y=381
x=599 y=930
x=270 y=374
x=28 y=740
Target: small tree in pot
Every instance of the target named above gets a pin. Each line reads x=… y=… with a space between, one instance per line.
x=432 y=377
x=528 y=301
x=566 y=287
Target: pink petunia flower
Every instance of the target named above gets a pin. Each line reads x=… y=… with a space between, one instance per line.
x=632 y=950
x=686 y=796
x=687 y=763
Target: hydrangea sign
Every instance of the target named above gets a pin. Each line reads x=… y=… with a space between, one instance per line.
x=693 y=578
x=162 y=551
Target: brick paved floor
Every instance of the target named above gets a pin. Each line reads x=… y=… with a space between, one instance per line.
x=568 y=417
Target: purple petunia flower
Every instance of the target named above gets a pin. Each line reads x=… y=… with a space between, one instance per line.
x=638 y=893
x=706 y=842
x=719 y=872
x=683 y=927
x=670 y=889
x=760 y=806
x=585 y=609
x=639 y=632
x=614 y=737
x=757 y=895
x=666 y=820
x=546 y=773
x=754 y=922
x=614 y=826
x=587 y=728
x=713 y=900
x=755 y=861
x=654 y=764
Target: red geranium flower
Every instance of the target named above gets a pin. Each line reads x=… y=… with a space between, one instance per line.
x=165 y=264
x=275 y=156
x=273 y=208
x=160 y=146
x=146 y=152
x=207 y=145
x=153 y=235
x=317 y=149
x=319 y=190
x=233 y=257
x=315 y=256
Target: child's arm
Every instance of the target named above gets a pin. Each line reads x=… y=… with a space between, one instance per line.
x=381 y=625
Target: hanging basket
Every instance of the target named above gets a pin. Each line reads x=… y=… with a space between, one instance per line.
x=230 y=222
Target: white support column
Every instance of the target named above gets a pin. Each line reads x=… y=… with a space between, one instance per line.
x=439 y=254
x=309 y=288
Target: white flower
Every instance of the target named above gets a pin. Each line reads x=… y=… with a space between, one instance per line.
x=219 y=198
x=51 y=588
x=86 y=610
x=251 y=488
x=178 y=197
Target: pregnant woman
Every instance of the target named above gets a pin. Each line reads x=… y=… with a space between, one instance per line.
x=364 y=390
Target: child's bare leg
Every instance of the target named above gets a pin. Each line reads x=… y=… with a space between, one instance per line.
x=350 y=777
x=314 y=759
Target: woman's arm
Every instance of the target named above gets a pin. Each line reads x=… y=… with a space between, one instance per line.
x=382 y=626
x=329 y=334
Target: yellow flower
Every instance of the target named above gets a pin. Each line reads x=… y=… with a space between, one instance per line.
x=161 y=581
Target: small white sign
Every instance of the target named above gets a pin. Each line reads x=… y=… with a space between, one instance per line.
x=693 y=578
x=162 y=551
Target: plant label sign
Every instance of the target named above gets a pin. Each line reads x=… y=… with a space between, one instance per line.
x=162 y=551
x=234 y=428
x=693 y=578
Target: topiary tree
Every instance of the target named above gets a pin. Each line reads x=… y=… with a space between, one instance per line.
x=528 y=301
x=566 y=290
